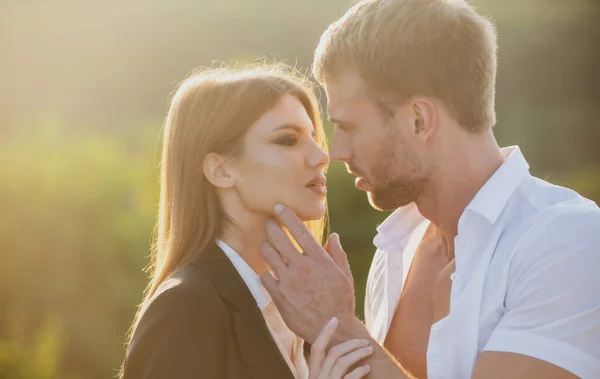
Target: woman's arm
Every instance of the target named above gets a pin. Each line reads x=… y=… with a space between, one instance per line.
x=177 y=337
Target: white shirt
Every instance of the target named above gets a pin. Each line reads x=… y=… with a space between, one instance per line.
x=527 y=277
x=285 y=339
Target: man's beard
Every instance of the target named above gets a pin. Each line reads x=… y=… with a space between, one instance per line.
x=394 y=185
x=397 y=193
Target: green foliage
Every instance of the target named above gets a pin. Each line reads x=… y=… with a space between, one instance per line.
x=77 y=216
x=30 y=355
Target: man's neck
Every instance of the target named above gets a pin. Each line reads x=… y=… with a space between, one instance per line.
x=464 y=171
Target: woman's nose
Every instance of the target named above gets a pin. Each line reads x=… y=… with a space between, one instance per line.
x=318 y=157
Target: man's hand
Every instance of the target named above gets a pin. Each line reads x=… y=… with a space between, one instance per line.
x=337 y=253
x=313 y=287
x=310 y=288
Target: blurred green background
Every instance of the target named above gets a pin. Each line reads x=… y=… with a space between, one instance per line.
x=84 y=90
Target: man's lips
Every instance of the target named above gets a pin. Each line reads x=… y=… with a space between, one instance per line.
x=352 y=171
x=360 y=183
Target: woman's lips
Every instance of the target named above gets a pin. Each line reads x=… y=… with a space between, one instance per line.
x=318 y=185
x=318 y=189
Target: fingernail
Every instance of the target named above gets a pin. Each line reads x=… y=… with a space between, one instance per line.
x=264 y=247
x=333 y=320
x=367 y=368
x=278 y=208
x=364 y=342
x=369 y=349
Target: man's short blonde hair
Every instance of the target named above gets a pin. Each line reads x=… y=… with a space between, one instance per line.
x=402 y=48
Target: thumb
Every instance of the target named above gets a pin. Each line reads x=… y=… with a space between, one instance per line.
x=337 y=253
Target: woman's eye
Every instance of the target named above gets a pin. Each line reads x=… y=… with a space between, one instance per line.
x=288 y=140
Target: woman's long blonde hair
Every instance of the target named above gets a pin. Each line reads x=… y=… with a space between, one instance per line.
x=210 y=112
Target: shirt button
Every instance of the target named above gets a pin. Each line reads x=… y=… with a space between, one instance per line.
x=453 y=277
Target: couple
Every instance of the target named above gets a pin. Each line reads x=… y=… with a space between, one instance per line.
x=482 y=271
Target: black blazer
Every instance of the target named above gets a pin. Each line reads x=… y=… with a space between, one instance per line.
x=203 y=323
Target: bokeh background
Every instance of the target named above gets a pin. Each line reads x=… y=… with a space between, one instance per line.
x=84 y=87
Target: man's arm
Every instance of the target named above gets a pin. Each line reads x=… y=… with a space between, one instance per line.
x=312 y=287
x=383 y=364
x=551 y=324
x=500 y=365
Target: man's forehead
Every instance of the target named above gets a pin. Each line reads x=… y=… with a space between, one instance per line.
x=344 y=93
x=344 y=85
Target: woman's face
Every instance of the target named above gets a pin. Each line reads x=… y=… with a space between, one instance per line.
x=281 y=162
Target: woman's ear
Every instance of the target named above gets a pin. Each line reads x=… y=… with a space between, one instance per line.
x=217 y=170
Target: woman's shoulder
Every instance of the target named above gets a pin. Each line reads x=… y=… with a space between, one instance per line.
x=178 y=328
x=187 y=292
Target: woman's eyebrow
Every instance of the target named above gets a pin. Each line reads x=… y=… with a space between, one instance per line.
x=296 y=128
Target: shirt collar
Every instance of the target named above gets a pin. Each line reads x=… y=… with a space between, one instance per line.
x=488 y=202
x=248 y=275
x=393 y=231
x=492 y=198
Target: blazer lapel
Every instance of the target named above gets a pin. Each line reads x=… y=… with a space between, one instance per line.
x=260 y=352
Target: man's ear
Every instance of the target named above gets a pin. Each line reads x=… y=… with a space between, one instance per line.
x=424 y=119
x=217 y=170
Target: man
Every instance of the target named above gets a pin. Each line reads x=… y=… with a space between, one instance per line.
x=483 y=271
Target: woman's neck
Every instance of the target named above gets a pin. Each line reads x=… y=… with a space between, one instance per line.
x=246 y=237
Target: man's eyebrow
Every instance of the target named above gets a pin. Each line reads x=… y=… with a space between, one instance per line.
x=296 y=128
x=339 y=122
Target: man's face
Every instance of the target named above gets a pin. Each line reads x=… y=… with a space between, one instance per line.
x=376 y=144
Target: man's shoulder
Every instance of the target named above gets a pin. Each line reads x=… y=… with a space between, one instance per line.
x=552 y=199
x=557 y=206
x=563 y=225
x=538 y=207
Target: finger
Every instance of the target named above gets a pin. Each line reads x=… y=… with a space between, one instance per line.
x=273 y=259
x=298 y=230
x=337 y=253
x=317 y=350
x=281 y=242
x=358 y=373
x=343 y=364
x=338 y=352
x=270 y=283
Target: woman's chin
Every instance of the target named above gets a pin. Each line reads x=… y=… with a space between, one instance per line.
x=310 y=212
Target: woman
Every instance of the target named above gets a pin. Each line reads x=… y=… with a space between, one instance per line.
x=235 y=143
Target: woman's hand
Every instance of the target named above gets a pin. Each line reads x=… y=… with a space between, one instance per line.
x=336 y=363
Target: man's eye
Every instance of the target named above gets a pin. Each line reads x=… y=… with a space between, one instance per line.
x=342 y=127
x=287 y=140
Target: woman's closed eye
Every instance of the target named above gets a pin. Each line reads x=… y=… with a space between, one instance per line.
x=288 y=140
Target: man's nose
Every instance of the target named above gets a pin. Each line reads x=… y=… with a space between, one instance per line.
x=339 y=151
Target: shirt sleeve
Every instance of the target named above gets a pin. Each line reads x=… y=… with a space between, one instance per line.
x=552 y=305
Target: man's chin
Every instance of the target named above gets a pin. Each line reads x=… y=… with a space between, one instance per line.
x=385 y=203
